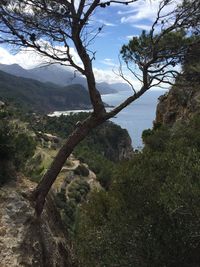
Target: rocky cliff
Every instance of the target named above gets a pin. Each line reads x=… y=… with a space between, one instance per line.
x=181 y=103
x=121 y=150
x=24 y=239
x=115 y=142
x=183 y=100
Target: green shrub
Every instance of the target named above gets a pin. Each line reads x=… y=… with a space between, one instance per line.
x=15 y=149
x=150 y=215
x=78 y=190
x=81 y=170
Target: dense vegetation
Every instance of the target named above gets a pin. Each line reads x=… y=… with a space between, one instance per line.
x=16 y=146
x=150 y=216
x=98 y=152
x=36 y=96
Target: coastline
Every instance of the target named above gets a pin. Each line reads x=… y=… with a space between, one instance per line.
x=135 y=118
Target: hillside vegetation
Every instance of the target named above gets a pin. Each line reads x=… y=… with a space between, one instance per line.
x=36 y=96
x=59 y=76
x=17 y=146
x=150 y=214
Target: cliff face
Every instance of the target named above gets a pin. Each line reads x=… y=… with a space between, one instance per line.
x=115 y=142
x=26 y=240
x=180 y=103
x=183 y=100
x=122 y=150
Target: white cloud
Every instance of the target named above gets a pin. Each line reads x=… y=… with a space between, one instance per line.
x=110 y=77
x=5 y=57
x=108 y=62
x=129 y=37
x=142 y=10
x=106 y=76
x=29 y=59
x=125 y=12
x=25 y=58
x=106 y=23
x=142 y=27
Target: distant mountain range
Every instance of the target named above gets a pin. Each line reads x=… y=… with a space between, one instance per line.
x=36 y=96
x=60 y=76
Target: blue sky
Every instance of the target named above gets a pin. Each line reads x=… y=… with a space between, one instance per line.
x=115 y=33
x=120 y=23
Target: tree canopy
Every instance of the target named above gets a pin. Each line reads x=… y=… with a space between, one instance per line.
x=150 y=215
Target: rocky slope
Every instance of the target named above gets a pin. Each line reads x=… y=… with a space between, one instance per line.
x=121 y=150
x=28 y=241
x=180 y=103
x=115 y=141
x=183 y=100
x=24 y=239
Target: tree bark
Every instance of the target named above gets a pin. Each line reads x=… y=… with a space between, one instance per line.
x=42 y=189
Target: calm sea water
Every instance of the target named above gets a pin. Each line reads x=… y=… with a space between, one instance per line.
x=136 y=117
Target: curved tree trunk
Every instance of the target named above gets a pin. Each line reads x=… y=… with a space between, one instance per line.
x=42 y=189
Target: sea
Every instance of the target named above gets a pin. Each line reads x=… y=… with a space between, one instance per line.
x=135 y=118
x=138 y=116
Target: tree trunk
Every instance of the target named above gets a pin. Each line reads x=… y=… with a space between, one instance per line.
x=42 y=189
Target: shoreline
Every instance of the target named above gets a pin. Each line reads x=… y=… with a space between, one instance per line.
x=74 y=111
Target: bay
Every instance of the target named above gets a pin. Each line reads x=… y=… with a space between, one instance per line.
x=135 y=118
x=138 y=116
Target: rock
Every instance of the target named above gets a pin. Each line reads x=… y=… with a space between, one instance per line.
x=26 y=240
x=116 y=142
x=49 y=137
x=181 y=103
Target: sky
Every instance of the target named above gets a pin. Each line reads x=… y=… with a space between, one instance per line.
x=120 y=23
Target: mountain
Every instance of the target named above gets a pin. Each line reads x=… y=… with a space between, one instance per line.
x=106 y=88
x=121 y=87
x=43 y=97
x=16 y=70
x=60 y=76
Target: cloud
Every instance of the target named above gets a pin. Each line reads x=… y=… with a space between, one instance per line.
x=141 y=10
x=5 y=57
x=145 y=10
x=29 y=59
x=110 y=77
x=106 y=23
x=129 y=37
x=142 y=27
x=25 y=58
x=108 y=62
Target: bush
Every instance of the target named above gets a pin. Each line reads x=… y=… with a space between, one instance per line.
x=78 y=190
x=150 y=215
x=15 y=149
x=81 y=170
